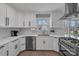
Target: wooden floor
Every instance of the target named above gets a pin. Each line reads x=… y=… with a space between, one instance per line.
x=39 y=53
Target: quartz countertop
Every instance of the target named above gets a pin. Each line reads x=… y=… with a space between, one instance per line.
x=9 y=39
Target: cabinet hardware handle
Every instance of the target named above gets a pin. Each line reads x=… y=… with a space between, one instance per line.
x=15 y=46
x=43 y=42
x=6 y=21
x=7 y=52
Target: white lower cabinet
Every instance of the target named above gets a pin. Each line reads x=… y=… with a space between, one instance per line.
x=47 y=43
x=11 y=49
x=4 y=51
x=16 y=46
x=22 y=44
x=44 y=43
x=1 y=49
x=55 y=44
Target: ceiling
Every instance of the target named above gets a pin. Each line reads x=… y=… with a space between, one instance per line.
x=36 y=6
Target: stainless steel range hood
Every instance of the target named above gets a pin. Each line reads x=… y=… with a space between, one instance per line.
x=70 y=9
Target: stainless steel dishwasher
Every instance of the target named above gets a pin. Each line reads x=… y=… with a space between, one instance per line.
x=30 y=43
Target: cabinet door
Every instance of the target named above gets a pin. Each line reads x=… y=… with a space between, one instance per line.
x=30 y=20
x=48 y=43
x=2 y=14
x=11 y=49
x=6 y=50
x=15 y=47
x=39 y=44
x=33 y=20
x=1 y=50
x=11 y=16
x=22 y=44
x=21 y=19
x=55 y=44
x=44 y=43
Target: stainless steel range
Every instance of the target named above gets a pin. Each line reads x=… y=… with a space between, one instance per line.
x=69 y=46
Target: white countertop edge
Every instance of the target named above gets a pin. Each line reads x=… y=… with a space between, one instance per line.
x=9 y=39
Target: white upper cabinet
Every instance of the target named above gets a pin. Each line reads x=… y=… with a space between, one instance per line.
x=7 y=16
x=26 y=19
x=2 y=14
x=11 y=15
x=30 y=20
x=20 y=19
x=33 y=20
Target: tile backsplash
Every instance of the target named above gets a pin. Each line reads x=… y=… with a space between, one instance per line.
x=5 y=32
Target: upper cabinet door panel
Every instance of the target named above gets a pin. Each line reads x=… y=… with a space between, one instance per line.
x=2 y=14
x=2 y=10
x=33 y=20
x=30 y=19
x=11 y=16
x=20 y=18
